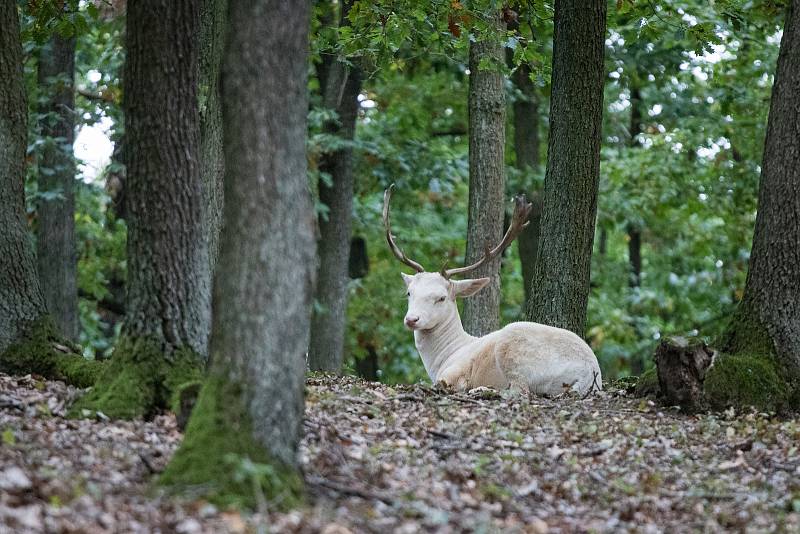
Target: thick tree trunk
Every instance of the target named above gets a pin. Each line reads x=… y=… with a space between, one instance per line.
x=29 y=341
x=767 y=321
x=213 y=24
x=164 y=337
x=561 y=282
x=21 y=302
x=55 y=239
x=252 y=403
x=341 y=86
x=487 y=122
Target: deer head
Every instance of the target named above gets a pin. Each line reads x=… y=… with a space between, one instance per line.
x=432 y=295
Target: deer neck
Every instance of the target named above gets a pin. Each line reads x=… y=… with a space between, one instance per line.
x=437 y=345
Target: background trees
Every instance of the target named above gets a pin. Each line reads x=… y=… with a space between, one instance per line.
x=698 y=75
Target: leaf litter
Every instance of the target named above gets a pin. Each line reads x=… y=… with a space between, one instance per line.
x=379 y=458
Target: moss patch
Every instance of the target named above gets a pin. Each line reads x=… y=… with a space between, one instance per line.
x=138 y=381
x=747 y=379
x=219 y=459
x=36 y=353
x=648 y=383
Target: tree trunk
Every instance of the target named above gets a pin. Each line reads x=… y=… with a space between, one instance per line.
x=251 y=406
x=29 y=341
x=487 y=121
x=55 y=239
x=528 y=243
x=561 y=282
x=634 y=232
x=213 y=24
x=766 y=325
x=526 y=150
x=341 y=85
x=164 y=337
x=21 y=302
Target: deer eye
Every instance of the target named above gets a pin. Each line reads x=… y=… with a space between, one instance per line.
x=439 y=300
x=408 y=293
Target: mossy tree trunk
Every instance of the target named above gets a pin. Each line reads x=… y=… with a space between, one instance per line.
x=340 y=87
x=251 y=405
x=487 y=137
x=164 y=338
x=29 y=340
x=561 y=281
x=765 y=330
x=55 y=238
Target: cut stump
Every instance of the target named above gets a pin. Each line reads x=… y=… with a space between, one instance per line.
x=682 y=366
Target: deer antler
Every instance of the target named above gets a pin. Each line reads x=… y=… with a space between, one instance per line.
x=522 y=209
x=387 y=197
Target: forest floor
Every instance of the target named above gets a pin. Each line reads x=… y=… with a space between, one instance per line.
x=412 y=458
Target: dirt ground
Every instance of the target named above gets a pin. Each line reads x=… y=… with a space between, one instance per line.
x=414 y=459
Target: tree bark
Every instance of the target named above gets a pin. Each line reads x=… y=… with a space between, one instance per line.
x=528 y=243
x=164 y=338
x=55 y=239
x=487 y=120
x=29 y=341
x=21 y=301
x=251 y=406
x=767 y=321
x=213 y=23
x=561 y=282
x=341 y=86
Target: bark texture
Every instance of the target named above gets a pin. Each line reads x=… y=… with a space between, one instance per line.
x=487 y=136
x=252 y=403
x=21 y=301
x=168 y=276
x=213 y=23
x=164 y=338
x=341 y=85
x=634 y=232
x=767 y=320
x=55 y=239
x=561 y=282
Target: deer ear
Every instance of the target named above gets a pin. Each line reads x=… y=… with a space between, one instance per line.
x=407 y=278
x=467 y=288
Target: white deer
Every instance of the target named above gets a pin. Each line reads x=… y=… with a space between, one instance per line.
x=523 y=356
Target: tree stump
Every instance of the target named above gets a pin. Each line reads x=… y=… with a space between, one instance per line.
x=682 y=366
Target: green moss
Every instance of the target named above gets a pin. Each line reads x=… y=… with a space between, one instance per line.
x=138 y=380
x=648 y=383
x=747 y=379
x=219 y=459
x=35 y=352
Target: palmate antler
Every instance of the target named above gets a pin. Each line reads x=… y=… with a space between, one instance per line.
x=522 y=209
x=387 y=197
x=519 y=220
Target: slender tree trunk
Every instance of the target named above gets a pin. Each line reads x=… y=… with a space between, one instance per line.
x=341 y=85
x=164 y=337
x=213 y=24
x=29 y=340
x=251 y=406
x=766 y=325
x=487 y=121
x=526 y=149
x=55 y=239
x=634 y=232
x=561 y=282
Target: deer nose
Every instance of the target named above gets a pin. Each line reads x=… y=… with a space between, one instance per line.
x=411 y=320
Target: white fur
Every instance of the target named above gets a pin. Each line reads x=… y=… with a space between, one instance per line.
x=528 y=356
